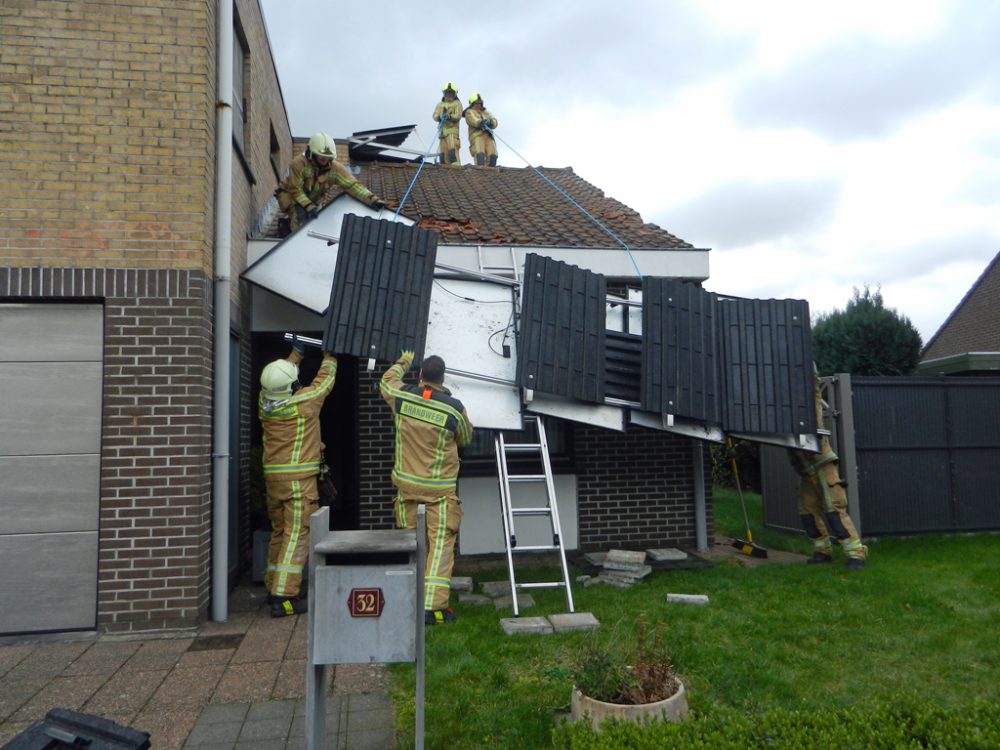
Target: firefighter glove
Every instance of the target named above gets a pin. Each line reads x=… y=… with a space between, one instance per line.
x=298 y=346
x=444 y=116
x=313 y=212
x=406 y=356
x=378 y=204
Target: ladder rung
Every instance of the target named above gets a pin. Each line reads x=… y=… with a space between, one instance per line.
x=522 y=478
x=542 y=585
x=522 y=447
x=536 y=548
x=531 y=511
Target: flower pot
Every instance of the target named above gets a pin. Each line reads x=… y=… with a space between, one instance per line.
x=673 y=708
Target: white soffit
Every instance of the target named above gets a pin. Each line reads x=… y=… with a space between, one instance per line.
x=466 y=328
x=301 y=267
x=597 y=415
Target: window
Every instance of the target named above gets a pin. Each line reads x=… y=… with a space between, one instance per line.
x=479 y=458
x=240 y=58
x=275 y=150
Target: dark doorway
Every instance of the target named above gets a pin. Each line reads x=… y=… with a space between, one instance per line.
x=338 y=419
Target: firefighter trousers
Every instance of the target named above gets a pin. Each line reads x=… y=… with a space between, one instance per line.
x=290 y=502
x=444 y=516
x=823 y=510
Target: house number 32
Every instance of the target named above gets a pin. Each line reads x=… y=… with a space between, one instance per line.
x=365 y=602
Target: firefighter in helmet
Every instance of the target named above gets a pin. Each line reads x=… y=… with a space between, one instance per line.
x=482 y=142
x=823 y=500
x=289 y=416
x=447 y=115
x=311 y=175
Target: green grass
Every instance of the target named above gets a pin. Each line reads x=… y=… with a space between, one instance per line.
x=922 y=615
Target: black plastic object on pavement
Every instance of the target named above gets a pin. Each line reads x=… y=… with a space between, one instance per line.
x=62 y=728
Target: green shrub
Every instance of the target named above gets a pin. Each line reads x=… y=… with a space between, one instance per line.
x=906 y=722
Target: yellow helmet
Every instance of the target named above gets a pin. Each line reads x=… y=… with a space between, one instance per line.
x=278 y=378
x=453 y=87
x=323 y=145
x=475 y=98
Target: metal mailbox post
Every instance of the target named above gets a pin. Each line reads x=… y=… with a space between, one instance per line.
x=366 y=607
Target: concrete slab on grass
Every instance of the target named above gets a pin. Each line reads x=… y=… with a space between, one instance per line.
x=666 y=553
x=568 y=621
x=461 y=583
x=699 y=599
x=524 y=601
x=476 y=599
x=526 y=625
x=495 y=588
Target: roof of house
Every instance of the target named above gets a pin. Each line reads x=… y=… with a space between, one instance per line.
x=510 y=206
x=974 y=325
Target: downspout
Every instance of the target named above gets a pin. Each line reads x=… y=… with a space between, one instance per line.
x=700 y=510
x=220 y=333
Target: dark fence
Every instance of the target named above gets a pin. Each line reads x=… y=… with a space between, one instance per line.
x=918 y=454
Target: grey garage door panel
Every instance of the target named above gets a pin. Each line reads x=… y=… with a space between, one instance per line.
x=59 y=572
x=50 y=408
x=49 y=493
x=51 y=333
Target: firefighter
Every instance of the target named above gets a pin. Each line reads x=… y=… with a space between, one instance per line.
x=289 y=415
x=431 y=425
x=311 y=175
x=447 y=115
x=481 y=122
x=823 y=500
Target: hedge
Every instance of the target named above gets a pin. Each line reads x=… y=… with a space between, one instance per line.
x=904 y=723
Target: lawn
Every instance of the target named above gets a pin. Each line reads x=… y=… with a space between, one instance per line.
x=923 y=615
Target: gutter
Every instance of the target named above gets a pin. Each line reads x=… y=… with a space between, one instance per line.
x=220 y=331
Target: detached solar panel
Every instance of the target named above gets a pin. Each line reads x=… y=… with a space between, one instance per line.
x=766 y=365
x=562 y=337
x=380 y=300
x=679 y=373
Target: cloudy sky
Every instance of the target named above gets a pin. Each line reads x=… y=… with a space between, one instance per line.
x=813 y=147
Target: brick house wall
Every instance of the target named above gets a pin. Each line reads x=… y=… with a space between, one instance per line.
x=107 y=192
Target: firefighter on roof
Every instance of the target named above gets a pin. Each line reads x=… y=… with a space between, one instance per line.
x=311 y=176
x=823 y=500
x=447 y=115
x=481 y=122
x=289 y=416
x=431 y=425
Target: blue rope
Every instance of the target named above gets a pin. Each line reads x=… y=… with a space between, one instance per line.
x=570 y=199
x=414 y=180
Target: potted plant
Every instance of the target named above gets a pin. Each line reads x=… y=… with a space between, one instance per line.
x=611 y=684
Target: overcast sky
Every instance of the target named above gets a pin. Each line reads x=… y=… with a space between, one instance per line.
x=813 y=147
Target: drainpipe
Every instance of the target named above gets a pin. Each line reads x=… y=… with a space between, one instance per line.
x=223 y=260
x=700 y=515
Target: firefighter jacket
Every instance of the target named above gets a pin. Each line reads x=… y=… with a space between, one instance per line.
x=431 y=425
x=308 y=184
x=475 y=119
x=453 y=109
x=291 y=427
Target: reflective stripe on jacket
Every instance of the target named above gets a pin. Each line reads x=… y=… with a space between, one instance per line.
x=291 y=427
x=308 y=184
x=431 y=425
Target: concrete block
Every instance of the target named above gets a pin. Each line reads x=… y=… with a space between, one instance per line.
x=495 y=588
x=582 y=579
x=524 y=601
x=595 y=558
x=461 y=583
x=699 y=599
x=666 y=553
x=563 y=623
x=528 y=625
x=622 y=583
x=621 y=559
x=475 y=599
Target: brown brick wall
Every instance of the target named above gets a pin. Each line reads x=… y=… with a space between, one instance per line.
x=635 y=489
x=106 y=133
x=155 y=505
x=375 y=444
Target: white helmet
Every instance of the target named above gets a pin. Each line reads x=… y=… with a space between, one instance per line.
x=323 y=145
x=277 y=378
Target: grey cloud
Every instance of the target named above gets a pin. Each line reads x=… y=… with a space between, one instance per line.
x=923 y=258
x=742 y=213
x=860 y=87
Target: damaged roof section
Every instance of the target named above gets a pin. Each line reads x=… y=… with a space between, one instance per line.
x=510 y=206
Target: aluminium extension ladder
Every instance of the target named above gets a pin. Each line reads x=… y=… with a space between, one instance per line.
x=549 y=509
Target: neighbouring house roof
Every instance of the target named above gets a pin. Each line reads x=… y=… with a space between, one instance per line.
x=974 y=325
x=510 y=206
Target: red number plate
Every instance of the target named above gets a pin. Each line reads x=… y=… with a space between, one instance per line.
x=366 y=602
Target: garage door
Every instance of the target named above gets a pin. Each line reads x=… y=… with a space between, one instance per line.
x=50 y=442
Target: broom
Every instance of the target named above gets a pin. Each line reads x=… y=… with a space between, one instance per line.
x=745 y=546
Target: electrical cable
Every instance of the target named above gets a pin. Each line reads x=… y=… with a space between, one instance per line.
x=570 y=199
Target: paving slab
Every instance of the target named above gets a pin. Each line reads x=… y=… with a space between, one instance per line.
x=698 y=599
x=666 y=553
x=475 y=599
x=524 y=601
x=495 y=588
x=570 y=621
x=526 y=625
x=624 y=559
x=595 y=558
x=461 y=583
